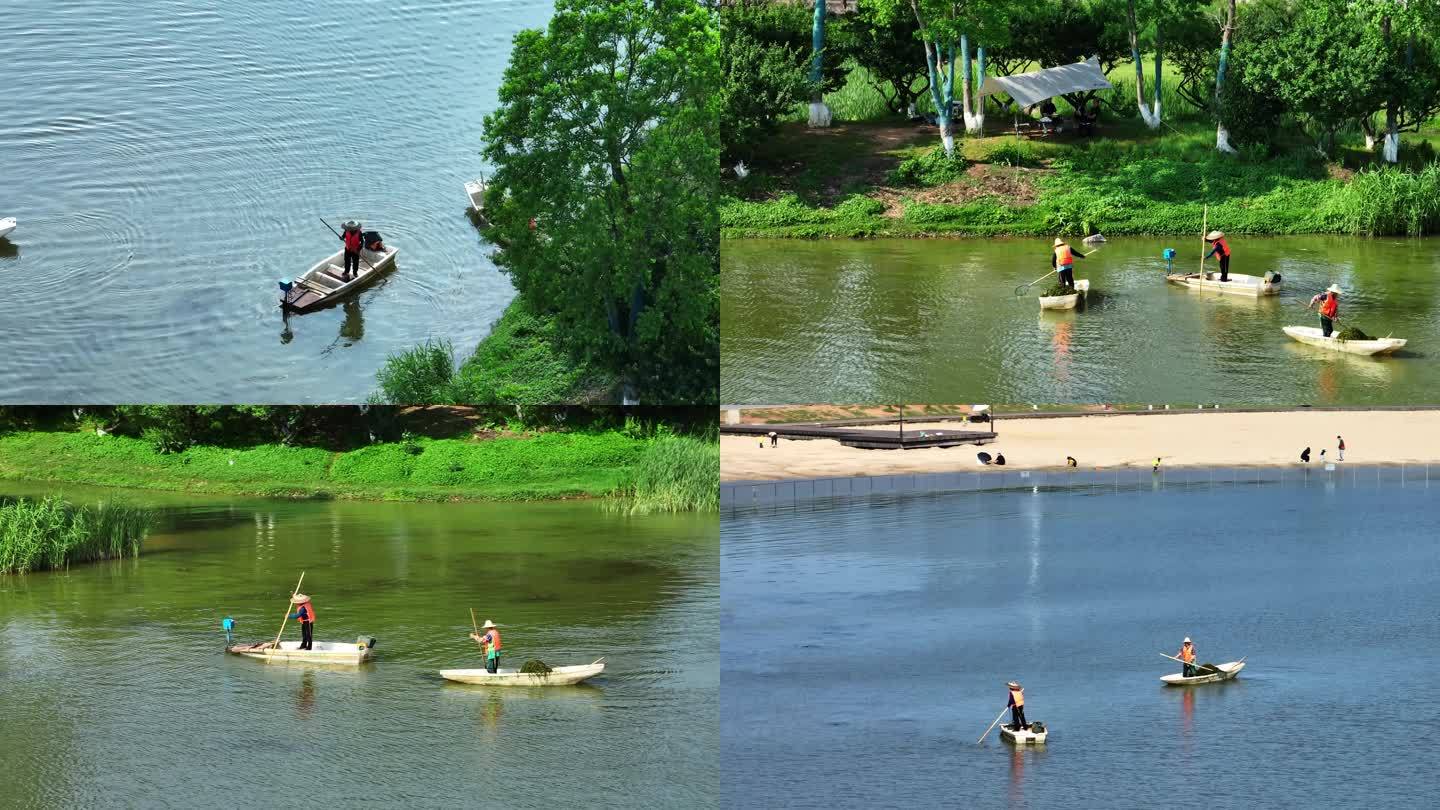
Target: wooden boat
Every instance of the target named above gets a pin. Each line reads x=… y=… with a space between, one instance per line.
x=559 y=676
x=1035 y=734
x=1082 y=286
x=6 y=226
x=324 y=652
x=323 y=284
x=1226 y=672
x=475 y=190
x=1239 y=283
x=1313 y=336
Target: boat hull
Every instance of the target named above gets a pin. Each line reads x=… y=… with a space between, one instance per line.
x=6 y=226
x=1023 y=736
x=1312 y=336
x=1082 y=287
x=559 y=676
x=324 y=652
x=321 y=286
x=475 y=191
x=1227 y=672
x=1239 y=284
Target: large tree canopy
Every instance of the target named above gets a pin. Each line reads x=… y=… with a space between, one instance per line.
x=605 y=145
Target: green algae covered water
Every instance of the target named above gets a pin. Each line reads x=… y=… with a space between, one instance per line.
x=115 y=691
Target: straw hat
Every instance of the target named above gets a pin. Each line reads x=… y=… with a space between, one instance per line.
x=352 y=225
x=1013 y=685
x=1059 y=242
x=487 y=625
x=1187 y=639
x=1213 y=235
x=299 y=599
x=1335 y=288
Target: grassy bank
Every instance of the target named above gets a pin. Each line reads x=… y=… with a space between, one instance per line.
x=505 y=467
x=51 y=533
x=874 y=175
x=676 y=474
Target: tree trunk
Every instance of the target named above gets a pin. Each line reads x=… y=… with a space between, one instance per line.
x=819 y=111
x=1222 y=135
x=1151 y=120
x=1156 y=112
x=979 y=82
x=965 y=110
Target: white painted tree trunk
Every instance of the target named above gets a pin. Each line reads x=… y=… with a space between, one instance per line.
x=947 y=137
x=819 y=114
x=1222 y=140
x=1151 y=119
x=1392 y=147
x=1369 y=142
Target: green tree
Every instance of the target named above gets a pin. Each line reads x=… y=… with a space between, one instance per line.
x=606 y=144
x=762 y=73
x=1411 y=79
x=886 y=45
x=1222 y=135
x=1148 y=29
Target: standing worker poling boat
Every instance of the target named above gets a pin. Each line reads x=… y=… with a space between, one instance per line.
x=1187 y=657
x=305 y=614
x=1017 y=706
x=1063 y=260
x=350 y=234
x=1329 y=305
x=1221 y=250
x=490 y=643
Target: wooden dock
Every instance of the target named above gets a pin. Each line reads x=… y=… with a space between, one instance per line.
x=871 y=434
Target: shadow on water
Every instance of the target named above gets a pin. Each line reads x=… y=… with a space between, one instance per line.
x=9 y=250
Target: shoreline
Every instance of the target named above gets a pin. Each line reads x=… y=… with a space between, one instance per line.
x=1272 y=438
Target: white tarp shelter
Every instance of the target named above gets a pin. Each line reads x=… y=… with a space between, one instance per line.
x=1036 y=86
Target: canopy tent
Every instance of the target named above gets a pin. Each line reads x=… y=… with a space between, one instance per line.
x=1036 y=86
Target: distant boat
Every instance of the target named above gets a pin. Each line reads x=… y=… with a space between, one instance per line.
x=6 y=226
x=324 y=652
x=1238 y=283
x=1222 y=672
x=324 y=284
x=1313 y=336
x=1070 y=301
x=558 y=676
x=475 y=191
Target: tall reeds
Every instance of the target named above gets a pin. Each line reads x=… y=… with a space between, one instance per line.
x=53 y=533
x=1390 y=202
x=676 y=474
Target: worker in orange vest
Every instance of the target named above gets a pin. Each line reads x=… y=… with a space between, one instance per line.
x=305 y=614
x=1187 y=657
x=1221 y=250
x=1017 y=706
x=490 y=643
x=1063 y=260
x=1329 y=302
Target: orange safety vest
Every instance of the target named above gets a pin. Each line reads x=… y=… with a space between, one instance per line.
x=492 y=637
x=308 y=617
x=1224 y=248
x=1331 y=306
x=1063 y=256
x=1017 y=697
x=1187 y=653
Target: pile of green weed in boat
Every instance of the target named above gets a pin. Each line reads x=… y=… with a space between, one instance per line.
x=53 y=533
x=1058 y=289
x=536 y=667
x=1352 y=333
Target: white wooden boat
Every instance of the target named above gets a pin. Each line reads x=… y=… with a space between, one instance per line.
x=1314 y=336
x=6 y=226
x=324 y=652
x=1239 y=283
x=1082 y=286
x=324 y=284
x=559 y=676
x=1035 y=734
x=1227 y=672
x=475 y=190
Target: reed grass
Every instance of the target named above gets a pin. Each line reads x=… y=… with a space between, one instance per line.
x=1387 y=201
x=675 y=474
x=53 y=533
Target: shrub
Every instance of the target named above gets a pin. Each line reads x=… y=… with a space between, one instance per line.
x=419 y=376
x=52 y=533
x=930 y=168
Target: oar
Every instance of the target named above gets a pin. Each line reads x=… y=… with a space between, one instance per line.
x=475 y=625
x=287 y=611
x=1197 y=666
x=992 y=725
x=361 y=254
x=1204 y=229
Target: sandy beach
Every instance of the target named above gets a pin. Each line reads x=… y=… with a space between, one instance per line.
x=1102 y=442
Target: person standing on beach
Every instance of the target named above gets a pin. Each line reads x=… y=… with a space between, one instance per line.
x=774 y=439
x=1305 y=455
x=1341 y=448
x=1063 y=260
x=1221 y=251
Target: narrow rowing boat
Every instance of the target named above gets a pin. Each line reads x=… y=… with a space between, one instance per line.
x=6 y=226
x=1082 y=286
x=1238 y=284
x=559 y=676
x=323 y=652
x=1312 y=336
x=475 y=190
x=1034 y=734
x=1225 y=672
x=324 y=284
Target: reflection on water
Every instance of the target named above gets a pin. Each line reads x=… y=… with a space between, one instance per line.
x=937 y=321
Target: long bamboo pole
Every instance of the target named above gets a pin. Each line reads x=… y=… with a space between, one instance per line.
x=1204 y=229
x=475 y=625
x=287 y=612
x=1197 y=666
x=992 y=725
